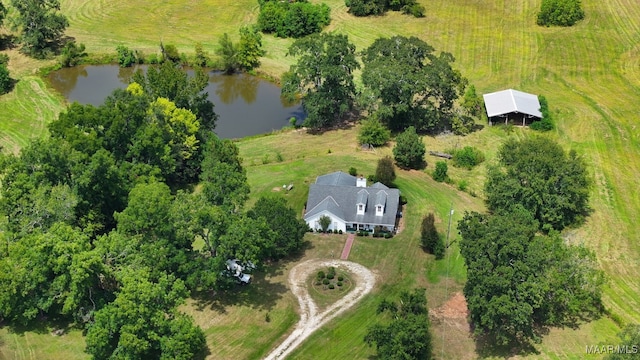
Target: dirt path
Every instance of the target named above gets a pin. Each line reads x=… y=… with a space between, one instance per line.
x=310 y=319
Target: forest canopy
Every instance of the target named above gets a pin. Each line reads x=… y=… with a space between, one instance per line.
x=100 y=219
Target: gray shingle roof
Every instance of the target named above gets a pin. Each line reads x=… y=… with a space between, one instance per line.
x=328 y=204
x=509 y=101
x=381 y=197
x=362 y=197
x=337 y=178
x=329 y=193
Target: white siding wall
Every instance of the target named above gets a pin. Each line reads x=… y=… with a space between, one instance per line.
x=336 y=224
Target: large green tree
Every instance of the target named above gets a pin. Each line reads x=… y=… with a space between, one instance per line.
x=323 y=76
x=224 y=180
x=41 y=24
x=409 y=150
x=287 y=228
x=519 y=283
x=410 y=84
x=560 y=12
x=537 y=174
x=50 y=273
x=249 y=50
x=143 y=322
x=404 y=333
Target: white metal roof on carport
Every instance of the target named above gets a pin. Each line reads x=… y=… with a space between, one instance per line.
x=510 y=101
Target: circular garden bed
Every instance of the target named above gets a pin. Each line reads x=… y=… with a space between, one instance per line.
x=329 y=284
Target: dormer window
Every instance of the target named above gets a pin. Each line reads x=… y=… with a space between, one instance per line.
x=360 y=207
x=379 y=210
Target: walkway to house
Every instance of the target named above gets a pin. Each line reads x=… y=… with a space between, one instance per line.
x=347 y=247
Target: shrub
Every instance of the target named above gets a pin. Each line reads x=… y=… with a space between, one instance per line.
x=279 y=157
x=6 y=83
x=331 y=286
x=332 y=271
x=266 y=159
x=467 y=157
x=416 y=10
x=331 y=276
x=72 y=53
x=388 y=235
x=366 y=7
x=339 y=283
x=321 y=275
x=126 y=56
x=403 y=200
x=429 y=234
x=546 y=123
x=292 y=19
x=440 y=174
x=353 y=171
x=373 y=132
x=462 y=185
x=409 y=150
x=340 y=278
x=385 y=171
x=340 y=231
x=326 y=281
x=170 y=52
x=542 y=125
x=372 y=178
x=324 y=222
x=560 y=12
x=153 y=59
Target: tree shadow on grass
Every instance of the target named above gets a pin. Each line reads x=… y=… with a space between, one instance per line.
x=43 y=325
x=488 y=347
x=261 y=294
x=8 y=41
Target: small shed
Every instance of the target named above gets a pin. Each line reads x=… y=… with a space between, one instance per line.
x=512 y=105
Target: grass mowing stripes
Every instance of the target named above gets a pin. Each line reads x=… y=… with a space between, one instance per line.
x=30 y=100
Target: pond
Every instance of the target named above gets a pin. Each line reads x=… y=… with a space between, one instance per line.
x=246 y=105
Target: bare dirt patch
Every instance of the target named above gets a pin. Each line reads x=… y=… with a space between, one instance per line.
x=310 y=318
x=454 y=308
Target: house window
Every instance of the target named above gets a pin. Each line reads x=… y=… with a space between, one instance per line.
x=360 y=207
x=379 y=208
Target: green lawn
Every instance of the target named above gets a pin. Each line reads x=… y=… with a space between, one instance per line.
x=590 y=75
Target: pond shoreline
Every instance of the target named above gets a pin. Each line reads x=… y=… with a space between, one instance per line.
x=247 y=105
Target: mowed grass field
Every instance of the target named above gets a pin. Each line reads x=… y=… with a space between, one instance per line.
x=590 y=74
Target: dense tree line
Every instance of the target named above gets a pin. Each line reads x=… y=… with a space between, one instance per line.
x=293 y=19
x=99 y=219
x=522 y=276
